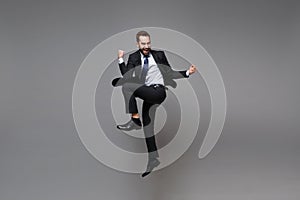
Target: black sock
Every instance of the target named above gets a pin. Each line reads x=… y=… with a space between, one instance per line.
x=137 y=121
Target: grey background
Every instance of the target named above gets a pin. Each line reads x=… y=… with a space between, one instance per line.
x=255 y=44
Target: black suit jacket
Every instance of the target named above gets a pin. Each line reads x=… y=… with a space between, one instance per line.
x=131 y=72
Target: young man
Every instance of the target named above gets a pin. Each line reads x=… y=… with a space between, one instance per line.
x=145 y=76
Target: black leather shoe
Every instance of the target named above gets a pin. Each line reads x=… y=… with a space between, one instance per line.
x=129 y=126
x=151 y=165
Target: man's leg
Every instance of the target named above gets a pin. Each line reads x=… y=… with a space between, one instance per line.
x=153 y=97
x=128 y=90
x=148 y=114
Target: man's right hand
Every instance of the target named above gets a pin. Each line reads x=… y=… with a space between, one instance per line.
x=120 y=54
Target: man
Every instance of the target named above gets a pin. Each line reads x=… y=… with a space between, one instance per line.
x=145 y=76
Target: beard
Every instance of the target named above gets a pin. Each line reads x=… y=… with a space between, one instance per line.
x=145 y=51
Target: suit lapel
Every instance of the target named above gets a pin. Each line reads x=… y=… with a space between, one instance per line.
x=137 y=63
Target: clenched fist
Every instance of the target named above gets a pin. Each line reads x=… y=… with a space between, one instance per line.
x=192 y=69
x=120 y=54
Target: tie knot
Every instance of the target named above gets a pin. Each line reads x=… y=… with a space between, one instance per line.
x=146 y=59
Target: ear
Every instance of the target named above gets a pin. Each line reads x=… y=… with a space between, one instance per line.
x=137 y=44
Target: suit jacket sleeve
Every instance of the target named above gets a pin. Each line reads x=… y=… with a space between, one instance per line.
x=127 y=70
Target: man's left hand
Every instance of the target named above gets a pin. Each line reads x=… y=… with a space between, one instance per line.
x=192 y=69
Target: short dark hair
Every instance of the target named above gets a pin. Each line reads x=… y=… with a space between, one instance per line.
x=141 y=33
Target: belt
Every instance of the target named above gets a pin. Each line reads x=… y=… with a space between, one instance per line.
x=158 y=85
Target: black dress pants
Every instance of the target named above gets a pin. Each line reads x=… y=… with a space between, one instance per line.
x=153 y=96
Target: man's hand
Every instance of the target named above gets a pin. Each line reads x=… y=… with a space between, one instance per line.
x=192 y=69
x=120 y=54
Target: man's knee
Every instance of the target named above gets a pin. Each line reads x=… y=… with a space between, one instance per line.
x=146 y=120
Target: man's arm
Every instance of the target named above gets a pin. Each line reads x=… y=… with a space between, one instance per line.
x=125 y=68
x=178 y=74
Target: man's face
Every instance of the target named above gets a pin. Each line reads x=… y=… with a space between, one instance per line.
x=144 y=44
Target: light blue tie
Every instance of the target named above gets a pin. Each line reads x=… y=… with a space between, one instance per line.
x=145 y=69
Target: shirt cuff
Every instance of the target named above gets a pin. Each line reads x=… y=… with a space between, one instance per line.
x=187 y=73
x=121 y=60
